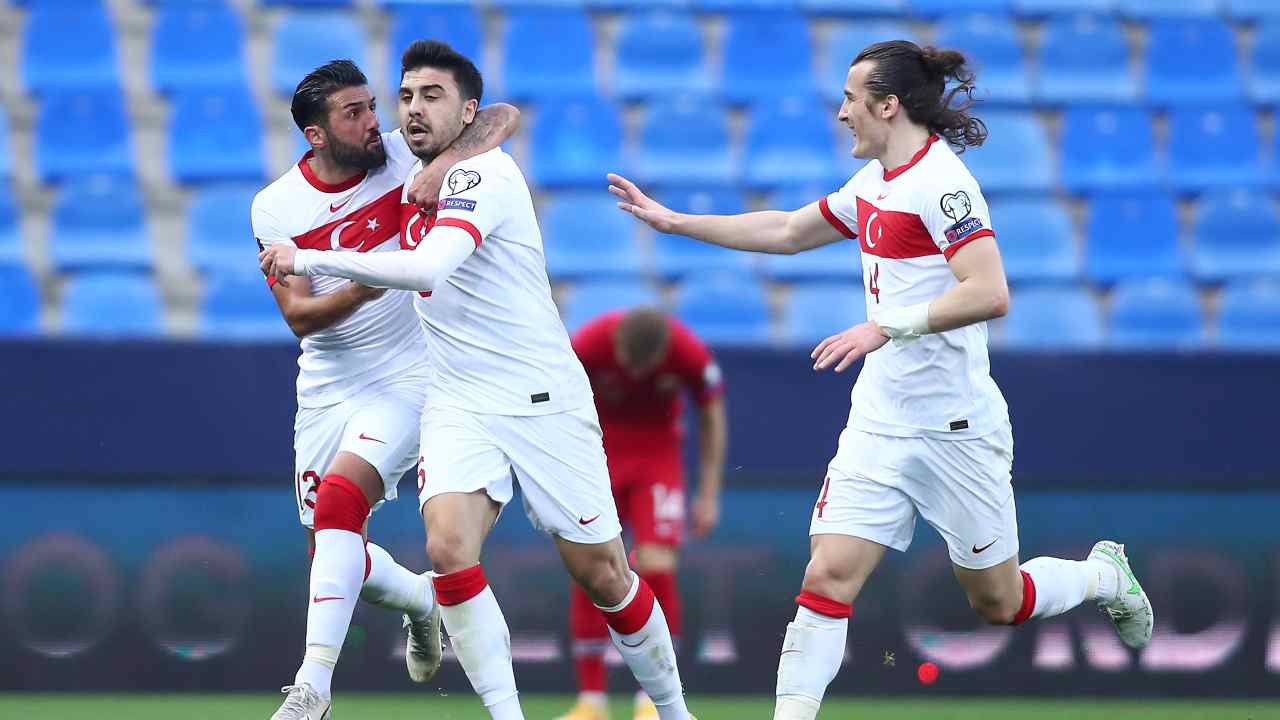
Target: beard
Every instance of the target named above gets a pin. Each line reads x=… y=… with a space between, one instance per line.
x=357 y=156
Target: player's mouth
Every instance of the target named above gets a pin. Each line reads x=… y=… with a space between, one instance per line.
x=416 y=133
x=374 y=142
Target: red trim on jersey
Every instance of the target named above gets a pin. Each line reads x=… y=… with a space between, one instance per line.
x=951 y=249
x=824 y=605
x=323 y=186
x=459 y=587
x=461 y=224
x=353 y=231
x=836 y=222
x=891 y=174
x=893 y=234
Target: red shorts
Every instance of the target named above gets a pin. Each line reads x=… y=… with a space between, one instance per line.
x=648 y=488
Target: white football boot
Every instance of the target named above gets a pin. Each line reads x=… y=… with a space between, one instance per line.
x=425 y=649
x=302 y=702
x=1130 y=611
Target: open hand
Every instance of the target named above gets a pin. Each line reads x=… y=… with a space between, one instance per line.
x=277 y=262
x=640 y=205
x=848 y=347
x=706 y=515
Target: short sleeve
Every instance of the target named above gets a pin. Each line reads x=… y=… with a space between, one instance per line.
x=695 y=365
x=267 y=229
x=956 y=215
x=471 y=198
x=840 y=209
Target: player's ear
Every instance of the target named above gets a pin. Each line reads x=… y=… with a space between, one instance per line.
x=469 y=111
x=314 y=135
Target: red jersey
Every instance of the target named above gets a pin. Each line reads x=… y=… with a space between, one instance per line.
x=638 y=414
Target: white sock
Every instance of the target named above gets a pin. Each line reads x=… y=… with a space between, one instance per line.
x=594 y=698
x=811 y=655
x=1064 y=584
x=336 y=574
x=391 y=585
x=648 y=650
x=480 y=638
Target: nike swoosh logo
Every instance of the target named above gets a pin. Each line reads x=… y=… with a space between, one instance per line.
x=584 y=521
x=638 y=643
x=881 y=197
x=335 y=208
x=326 y=598
x=977 y=549
x=366 y=437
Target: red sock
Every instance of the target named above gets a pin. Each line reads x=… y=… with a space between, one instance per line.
x=589 y=636
x=1028 y=600
x=663 y=584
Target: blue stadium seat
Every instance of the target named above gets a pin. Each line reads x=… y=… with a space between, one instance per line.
x=1132 y=235
x=62 y=148
x=1107 y=148
x=1156 y=314
x=845 y=42
x=591 y=298
x=196 y=46
x=10 y=228
x=993 y=45
x=1253 y=10
x=238 y=305
x=1214 y=148
x=1155 y=9
x=219 y=233
x=1053 y=318
x=586 y=235
x=6 y=153
x=817 y=310
x=1015 y=156
x=549 y=54
x=1042 y=8
x=1085 y=58
x=853 y=7
x=1249 y=315
x=726 y=308
x=750 y=75
x=69 y=47
x=933 y=8
x=309 y=3
x=618 y=4
x=676 y=256
x=215 y=135
x=457 y=24
x=99 y=223
x=791 y=142
x=19 y=301
x=685 y=141
x=1036 y=240
x=306 y=40
x=112 y=304
x=659 y=54
x=1264 y=65
x=837 y=261
x=576 y=142
x=1237 y=235
x=1186 y=52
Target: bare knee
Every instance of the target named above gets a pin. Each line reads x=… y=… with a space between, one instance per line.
x=835 y=580
x=996 y=608
x=450 y=551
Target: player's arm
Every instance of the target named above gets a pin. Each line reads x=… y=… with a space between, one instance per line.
x=770 y=231
x=492 y=126
x=713 y=439
x=981 y=294
x=306 y=313
x=423 y=269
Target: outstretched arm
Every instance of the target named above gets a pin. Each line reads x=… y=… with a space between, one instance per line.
x=771 y=231
x=492 y=126
x=422 y=269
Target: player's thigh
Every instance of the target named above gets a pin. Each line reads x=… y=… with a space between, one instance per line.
x=560 y=464
x=963 y=488
x=656 y=509
x=317 y=437
x=382 y=434
x=860 y=497
x=457 y=525
x=839 y=565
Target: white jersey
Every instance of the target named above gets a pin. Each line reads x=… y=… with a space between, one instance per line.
x=496 y=342
x=379 y=339
x=911 y=220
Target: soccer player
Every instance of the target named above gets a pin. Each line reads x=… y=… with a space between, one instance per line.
x=639 y=362
x=508 y=401
x=361 y=380
x=929 y=431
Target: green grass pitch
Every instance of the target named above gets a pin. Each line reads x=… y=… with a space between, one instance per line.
x=356 y=706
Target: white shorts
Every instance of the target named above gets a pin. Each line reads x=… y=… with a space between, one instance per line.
x=876 y=484
x=379 y=424
x=557 y=459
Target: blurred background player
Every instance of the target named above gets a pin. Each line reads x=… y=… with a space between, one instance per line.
x=361 y=381
x=928 y=431
x=508 y=400
x=641 y=363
